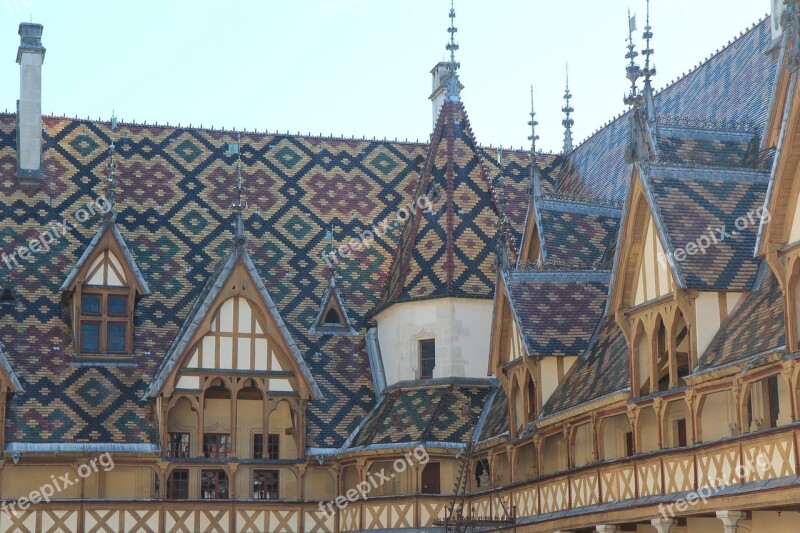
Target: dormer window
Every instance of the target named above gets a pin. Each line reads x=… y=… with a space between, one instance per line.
x=7 y=295
x=103 y=288
x=332 y=318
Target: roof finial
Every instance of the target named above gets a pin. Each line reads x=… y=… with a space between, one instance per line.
x=240 y=204
x=532 y=123
x=567 y=122
x=111 y=214
x=648 y=51
x=534 y=185
x=331 y=253
x=452 y=46
x=632 y=71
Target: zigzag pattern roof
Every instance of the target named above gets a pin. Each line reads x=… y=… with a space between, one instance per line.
x=449 y=251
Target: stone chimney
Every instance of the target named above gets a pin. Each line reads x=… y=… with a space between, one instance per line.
x=441 y=75
x=30 y=57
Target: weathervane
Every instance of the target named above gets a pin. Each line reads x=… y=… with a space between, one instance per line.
x=633 y=71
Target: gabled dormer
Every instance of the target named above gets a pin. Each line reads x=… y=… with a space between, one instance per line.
x=234 y=327
x=332 y=317
x=779 y=234
x=102 y=290
x=534 y=342
x=683 y=261
x=648 y=308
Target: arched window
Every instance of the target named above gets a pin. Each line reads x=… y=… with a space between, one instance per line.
x=531 y=397
x=683 y=349
x=662 y=356
x=642 y=361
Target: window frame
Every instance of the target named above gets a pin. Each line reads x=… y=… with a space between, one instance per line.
x=265 y=494
x=421 y=348
x=104 y=319
x=217 y=452
x=271 y=449
x=180 y=484
x=219 y=492
x=173 y=443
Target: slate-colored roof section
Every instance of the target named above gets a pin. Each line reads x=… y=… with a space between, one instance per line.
x=426 y=411
x=704 y=147
x=602 y=371
x=497 y=417
x=449 y=251
x=734 y=84
x=756 y=326
x=576 y=234
x=704 y=207
x=556 y=311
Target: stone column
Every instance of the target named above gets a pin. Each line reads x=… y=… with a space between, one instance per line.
x=730 y=520
x=663 y=525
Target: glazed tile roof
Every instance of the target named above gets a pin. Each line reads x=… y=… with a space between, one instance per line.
x=173 y=195
x=426 y=411
x=556 y=311
x=601 y=371
x=705 y=147
x=704 y=206
x=496 y=422
x=755 y=327
x=517 y=177
x=450 y=250
x=732 y=85
x=576 y=234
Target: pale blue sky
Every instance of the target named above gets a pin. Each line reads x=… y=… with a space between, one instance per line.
x=353 y=67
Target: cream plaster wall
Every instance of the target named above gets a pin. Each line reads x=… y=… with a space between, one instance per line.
x=461 y=327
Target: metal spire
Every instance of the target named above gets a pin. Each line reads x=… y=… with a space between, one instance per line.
x=648 y=51
x=240 y=204
x=535 y=187
x=452 y=46
x=632 y=71
x=111 y=214
x=532 y=123
x=567 y=122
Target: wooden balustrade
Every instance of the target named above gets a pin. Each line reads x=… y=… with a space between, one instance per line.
x=746 y=459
